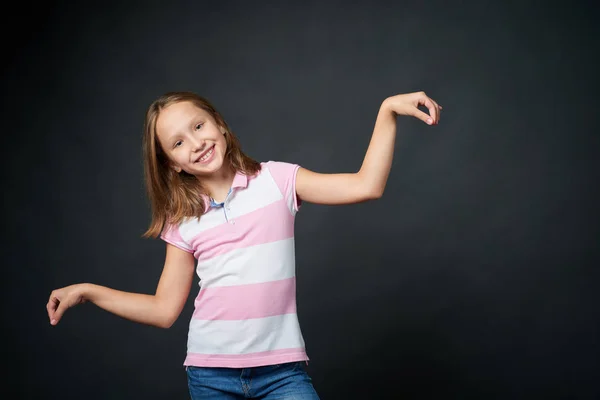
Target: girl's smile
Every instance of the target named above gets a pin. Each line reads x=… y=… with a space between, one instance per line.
x=206 y=156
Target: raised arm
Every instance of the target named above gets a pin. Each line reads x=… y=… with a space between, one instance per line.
x=369 y=182
x=161 y=309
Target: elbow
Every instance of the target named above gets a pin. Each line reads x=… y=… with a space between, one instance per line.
x=165 y=321
x=165 y=312
x=373 y=194
x=377 y=195
x=370 y=187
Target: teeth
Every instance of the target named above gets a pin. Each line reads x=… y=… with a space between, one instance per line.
x=205 y=157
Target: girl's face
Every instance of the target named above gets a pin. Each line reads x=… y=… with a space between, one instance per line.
x=191 y=138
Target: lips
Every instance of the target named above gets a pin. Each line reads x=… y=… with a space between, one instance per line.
x=205 y=153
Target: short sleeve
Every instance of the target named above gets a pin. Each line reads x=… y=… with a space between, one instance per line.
x=284 y=175
x=170 y=234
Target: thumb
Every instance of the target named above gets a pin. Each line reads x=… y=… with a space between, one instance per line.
x=62 y=307
x=423 y=116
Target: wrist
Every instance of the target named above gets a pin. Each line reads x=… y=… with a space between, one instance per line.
x=386 y=107
x=86 y=291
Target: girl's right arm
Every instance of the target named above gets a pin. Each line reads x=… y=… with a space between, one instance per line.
x=161 y=309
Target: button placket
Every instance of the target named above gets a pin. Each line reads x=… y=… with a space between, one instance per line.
x=226 y=210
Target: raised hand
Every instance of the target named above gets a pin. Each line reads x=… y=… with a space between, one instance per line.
x=409 y=103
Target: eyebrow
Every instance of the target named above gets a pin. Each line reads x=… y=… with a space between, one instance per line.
x=193 y=121
x=194 y=117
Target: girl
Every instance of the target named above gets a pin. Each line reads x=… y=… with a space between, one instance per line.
x=230 y=219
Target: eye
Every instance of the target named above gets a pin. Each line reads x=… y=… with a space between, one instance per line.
x=198 y=126
x=178 y=143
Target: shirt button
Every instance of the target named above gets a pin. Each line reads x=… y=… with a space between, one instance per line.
x=232 y=222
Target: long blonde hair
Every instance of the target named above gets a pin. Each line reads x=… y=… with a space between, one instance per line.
x=176 y=195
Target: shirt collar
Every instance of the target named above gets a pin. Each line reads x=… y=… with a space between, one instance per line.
x=239 y=181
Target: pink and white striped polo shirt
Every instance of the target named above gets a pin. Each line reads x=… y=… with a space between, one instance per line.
x=245 y=311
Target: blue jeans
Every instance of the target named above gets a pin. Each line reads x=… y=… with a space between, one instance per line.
x=280 y=381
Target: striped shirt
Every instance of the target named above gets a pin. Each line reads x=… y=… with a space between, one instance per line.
x=245 y=311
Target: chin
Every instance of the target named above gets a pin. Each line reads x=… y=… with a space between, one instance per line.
x=209 y=169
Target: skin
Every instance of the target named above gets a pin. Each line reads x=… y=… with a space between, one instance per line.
x=185 y=134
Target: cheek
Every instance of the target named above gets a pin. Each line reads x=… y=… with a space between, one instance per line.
x=223 y=144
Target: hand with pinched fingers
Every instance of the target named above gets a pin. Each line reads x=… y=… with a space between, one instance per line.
x=409 y=103
x=63 y=299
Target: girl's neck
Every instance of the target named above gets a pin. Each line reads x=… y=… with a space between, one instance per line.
x=218 y=184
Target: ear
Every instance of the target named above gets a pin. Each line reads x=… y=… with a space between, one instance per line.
x=176 y=168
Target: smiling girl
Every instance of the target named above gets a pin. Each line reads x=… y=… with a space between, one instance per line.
x=230 y=220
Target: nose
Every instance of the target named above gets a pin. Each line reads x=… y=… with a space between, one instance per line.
x=196 y=144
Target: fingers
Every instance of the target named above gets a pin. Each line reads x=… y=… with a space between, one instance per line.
x=56 y=306
x=439 y=108
x=423 y=116
x=62 y=307
x=51 y=307
x=433 y=111
x=433 y=107
x=438 y=111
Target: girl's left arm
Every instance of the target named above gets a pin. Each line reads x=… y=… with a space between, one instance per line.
x=369 y=182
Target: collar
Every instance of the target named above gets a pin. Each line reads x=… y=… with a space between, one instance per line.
x=239 y=181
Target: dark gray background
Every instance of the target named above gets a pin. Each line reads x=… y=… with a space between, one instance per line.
x=476 y=274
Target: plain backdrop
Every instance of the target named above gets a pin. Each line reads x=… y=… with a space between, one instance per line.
x=474 y=276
